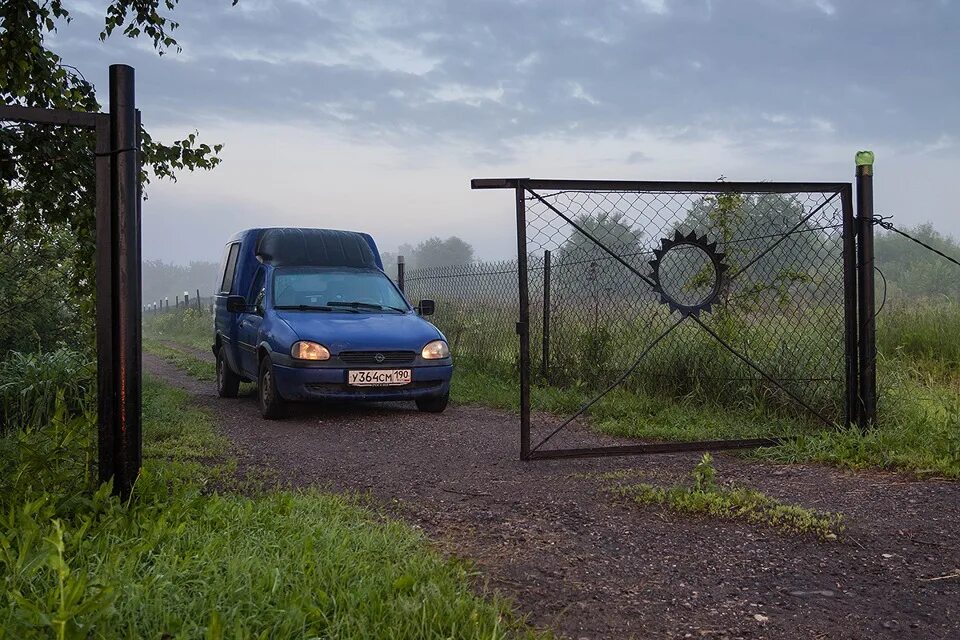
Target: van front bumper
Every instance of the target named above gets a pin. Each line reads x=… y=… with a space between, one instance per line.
x=300 y=383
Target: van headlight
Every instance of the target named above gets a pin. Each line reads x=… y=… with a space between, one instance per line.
x=436 y=350
x=305 y=350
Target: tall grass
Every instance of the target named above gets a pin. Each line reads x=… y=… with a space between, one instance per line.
x=32 y=385
x=183 y=560
x=192 y=327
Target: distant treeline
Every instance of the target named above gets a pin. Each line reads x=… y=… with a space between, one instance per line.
x=912 y=271
x=164 y=280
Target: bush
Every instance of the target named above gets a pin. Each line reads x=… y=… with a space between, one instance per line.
x=32 y=384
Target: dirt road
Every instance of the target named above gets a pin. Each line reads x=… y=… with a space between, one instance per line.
x=579 y=561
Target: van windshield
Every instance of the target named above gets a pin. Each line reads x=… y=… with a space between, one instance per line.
x=335 y=289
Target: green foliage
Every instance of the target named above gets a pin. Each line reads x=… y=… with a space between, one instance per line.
x=39 y=310
x=34 y=385
x=918 y=430
x=706 y=497
x=47 y=173
x=913 y=272
x=187 y=326
x=181 y=560
x=195 y=367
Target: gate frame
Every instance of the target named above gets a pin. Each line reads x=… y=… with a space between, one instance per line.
x=853 y=346
x=118 y=198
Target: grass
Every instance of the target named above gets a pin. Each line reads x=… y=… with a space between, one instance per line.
x=705 y=496
x=183 y=559
x=32 y=384
x=196 y=367
x=918 y=430
x=191 y=327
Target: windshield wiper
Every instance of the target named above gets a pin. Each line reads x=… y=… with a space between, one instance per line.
x=364 y=305
x=303 y=307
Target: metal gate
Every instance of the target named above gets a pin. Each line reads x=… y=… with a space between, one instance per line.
x=728 y=290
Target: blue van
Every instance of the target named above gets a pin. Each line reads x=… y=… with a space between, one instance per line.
x=309 y=314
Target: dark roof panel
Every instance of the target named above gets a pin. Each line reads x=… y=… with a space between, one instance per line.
x=315 y=248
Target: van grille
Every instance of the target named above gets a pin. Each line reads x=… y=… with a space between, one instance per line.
x=371 y=357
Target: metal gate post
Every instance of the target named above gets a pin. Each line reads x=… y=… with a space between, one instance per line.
x=125 y=178
x=545 y=355
x=866 y=292
x=850 y=345
x=523 y=324
x=401 y=273
x=106 y=395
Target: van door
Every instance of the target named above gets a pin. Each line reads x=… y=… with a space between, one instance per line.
x=225 y=321
x=250 y=326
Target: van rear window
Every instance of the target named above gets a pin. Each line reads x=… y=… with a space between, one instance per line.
x=229 y=267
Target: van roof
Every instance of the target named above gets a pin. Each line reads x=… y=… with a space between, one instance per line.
x=293 y=246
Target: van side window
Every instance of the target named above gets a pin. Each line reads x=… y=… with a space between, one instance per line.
x=257 y=290
x=229 y=267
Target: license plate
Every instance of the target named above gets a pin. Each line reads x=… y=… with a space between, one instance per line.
x=379 y=377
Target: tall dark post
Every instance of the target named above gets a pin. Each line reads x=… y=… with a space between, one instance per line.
x=850 y=320
x=186 y=300
x=545 y=362
x=866 y=294
x=125 y=179
x=523 y=325
x=401 y=273
x=106 y=394
x=199 y=308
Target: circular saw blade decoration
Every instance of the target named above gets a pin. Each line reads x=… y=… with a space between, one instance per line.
x=715 y=258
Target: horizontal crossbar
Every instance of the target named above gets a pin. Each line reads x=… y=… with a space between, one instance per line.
x=659 y=185
x=51 y=116
x=665 y=447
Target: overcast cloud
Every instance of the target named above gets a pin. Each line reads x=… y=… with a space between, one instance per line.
x=375 y=115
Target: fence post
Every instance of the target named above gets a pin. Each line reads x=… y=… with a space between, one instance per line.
x=523 y=325
x=850 y=320
x=126 y=343
x=186 y=300
x=401 y=273
x=866 y=293
x=545 y=356
x=168 y=303
x=199 y=308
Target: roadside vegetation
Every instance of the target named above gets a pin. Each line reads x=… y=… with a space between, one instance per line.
x=918 y=430
x=704 y=495
x=191 y=556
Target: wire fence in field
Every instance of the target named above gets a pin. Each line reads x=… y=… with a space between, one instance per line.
x=786 y=312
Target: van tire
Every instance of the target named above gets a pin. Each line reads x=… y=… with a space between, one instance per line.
x=228 y=383
x=433 y=404
x=272 y=405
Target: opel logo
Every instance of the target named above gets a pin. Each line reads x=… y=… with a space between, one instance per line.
x=379 y=358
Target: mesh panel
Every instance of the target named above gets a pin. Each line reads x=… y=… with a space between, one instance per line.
x=763 y=272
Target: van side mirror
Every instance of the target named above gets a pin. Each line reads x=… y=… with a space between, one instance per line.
x=236 y=304
x=426 y=307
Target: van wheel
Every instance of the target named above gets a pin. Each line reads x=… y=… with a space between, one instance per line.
x=433 y=404
x=228 y=383
x=271 y=404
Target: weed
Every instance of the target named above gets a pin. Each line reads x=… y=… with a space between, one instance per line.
x=706 y=497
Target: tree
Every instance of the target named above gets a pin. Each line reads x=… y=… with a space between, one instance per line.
x=46 y=173
x=435 y=252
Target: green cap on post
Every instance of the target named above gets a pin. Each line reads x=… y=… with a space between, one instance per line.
x=865 y=162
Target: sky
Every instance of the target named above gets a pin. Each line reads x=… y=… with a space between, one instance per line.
x=375 y=115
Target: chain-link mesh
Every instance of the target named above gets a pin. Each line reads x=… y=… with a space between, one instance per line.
x=477 y=310
x=762 y=272
x=780 y=302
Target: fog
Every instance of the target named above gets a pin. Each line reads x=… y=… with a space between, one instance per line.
x=375 y=117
